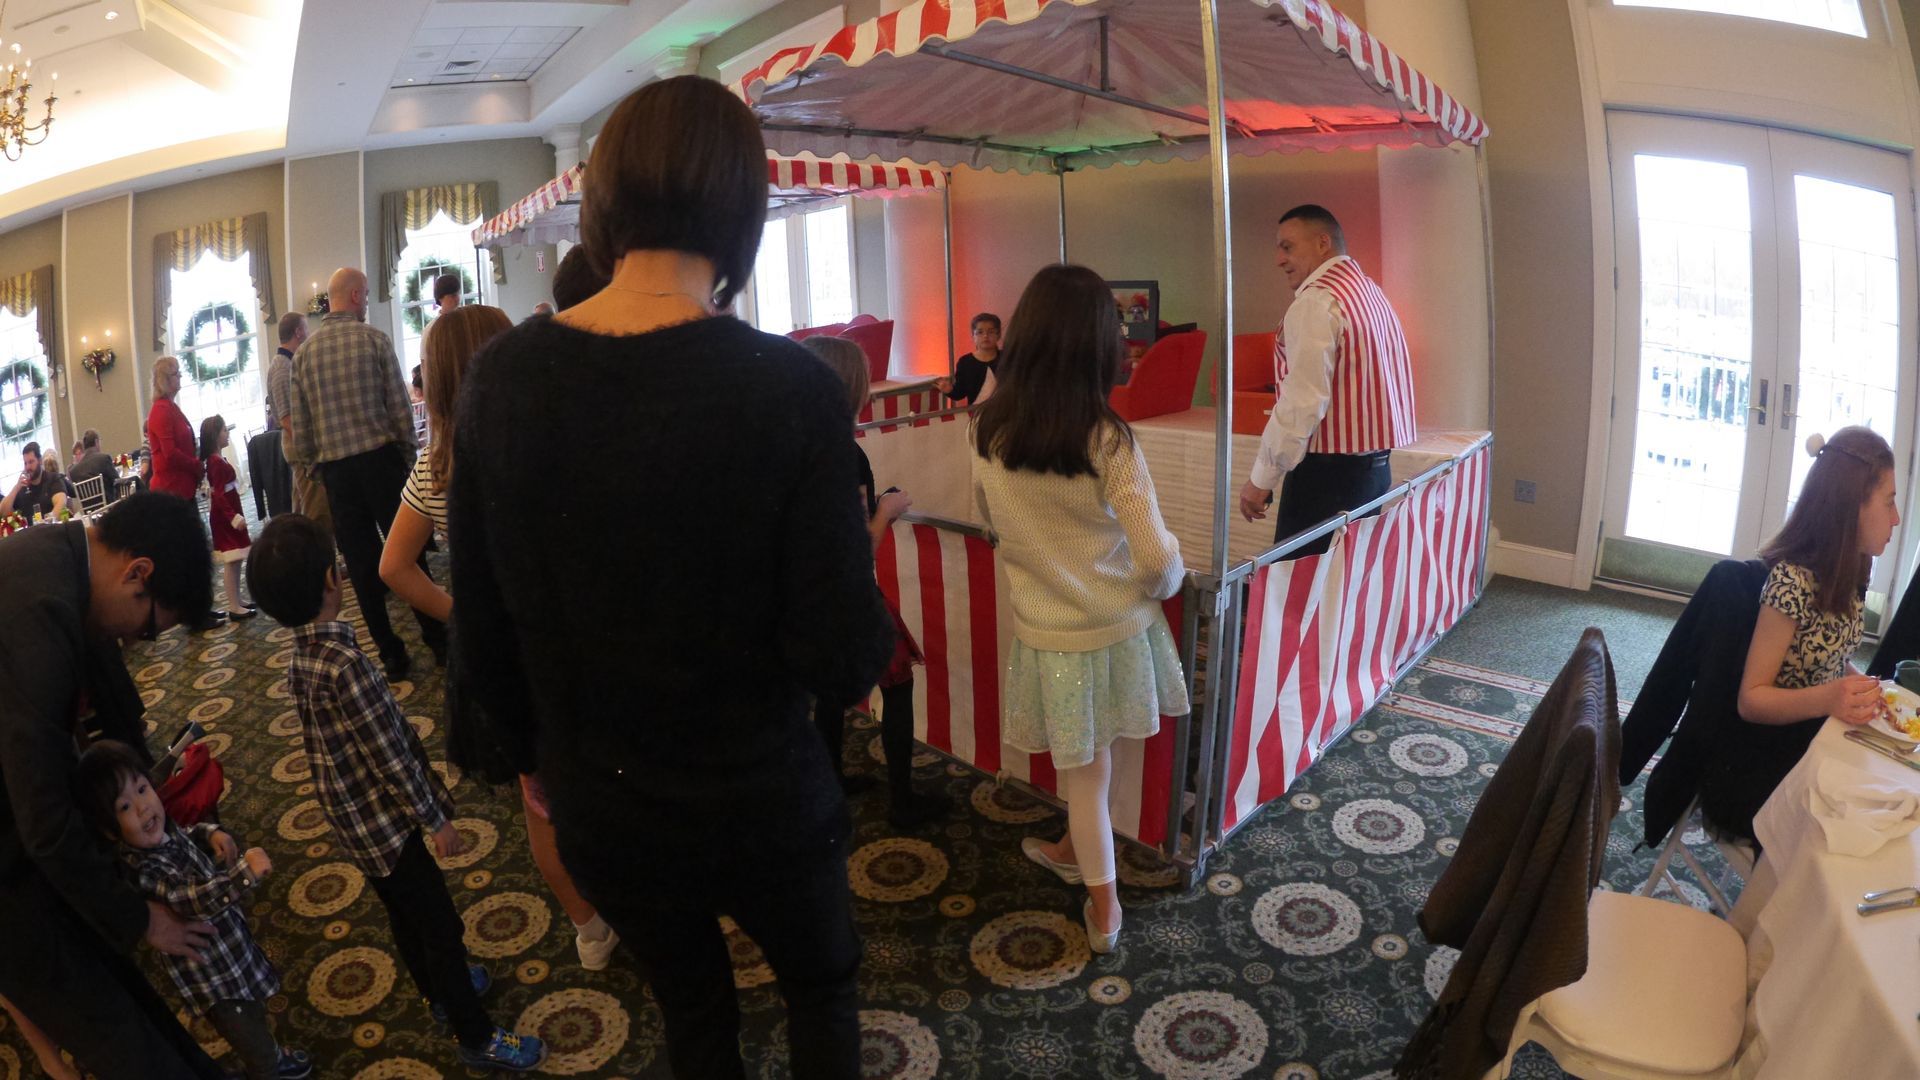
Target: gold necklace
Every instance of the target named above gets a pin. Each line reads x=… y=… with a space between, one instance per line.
x=643 y=292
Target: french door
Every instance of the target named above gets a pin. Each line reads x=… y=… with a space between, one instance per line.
x=1766 y=292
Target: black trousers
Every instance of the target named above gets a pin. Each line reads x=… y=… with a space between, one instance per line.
x=1323 y=485
x=91 y=1001
x=802 y=919
x=431 y=940
x=364 y=494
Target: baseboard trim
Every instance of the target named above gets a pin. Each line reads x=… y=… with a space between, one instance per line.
x=1533 y=563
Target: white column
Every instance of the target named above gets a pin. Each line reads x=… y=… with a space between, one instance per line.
x=1432 y=228
x=565 y=140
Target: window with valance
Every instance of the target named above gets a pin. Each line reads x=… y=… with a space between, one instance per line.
x=426 y=232
x=26 y=344
x=213 y=303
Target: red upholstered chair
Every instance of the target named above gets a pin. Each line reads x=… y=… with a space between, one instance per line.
x=876 y=340
x=1253 y=362
x=863 y=319
x=1163 y=381
x=805 y=332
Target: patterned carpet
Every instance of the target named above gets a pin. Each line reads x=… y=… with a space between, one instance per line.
x=1298 y=956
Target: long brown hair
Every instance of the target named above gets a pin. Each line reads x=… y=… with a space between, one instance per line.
x=451 y=342
x=1059 y=363
x=1823 y=531
x=847 y=361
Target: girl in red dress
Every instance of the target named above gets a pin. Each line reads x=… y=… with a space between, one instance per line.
x=230 y=538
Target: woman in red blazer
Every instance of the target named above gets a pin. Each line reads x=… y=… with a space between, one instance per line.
x=176 y=458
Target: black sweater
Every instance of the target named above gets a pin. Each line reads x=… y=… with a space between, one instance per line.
x=651 y=645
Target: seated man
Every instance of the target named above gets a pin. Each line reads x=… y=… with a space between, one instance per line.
x=92 y=461
x=38 y=491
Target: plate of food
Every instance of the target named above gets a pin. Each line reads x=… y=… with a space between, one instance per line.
x=1902 y=718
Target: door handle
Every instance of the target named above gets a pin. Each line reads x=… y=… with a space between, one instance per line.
x=1787 y=415
x=1761 y=408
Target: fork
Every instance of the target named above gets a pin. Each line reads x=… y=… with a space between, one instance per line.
x=1881 y=738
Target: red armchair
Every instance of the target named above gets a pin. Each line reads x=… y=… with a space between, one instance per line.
x=1253 y=362
x=1164 y=379
x=805 y=332
x=876 y=340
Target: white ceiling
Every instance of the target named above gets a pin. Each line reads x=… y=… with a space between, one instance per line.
x=171 y=89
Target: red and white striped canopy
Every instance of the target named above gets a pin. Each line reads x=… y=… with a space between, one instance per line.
x=931 y=82
x=795 y=182
x=551 y=213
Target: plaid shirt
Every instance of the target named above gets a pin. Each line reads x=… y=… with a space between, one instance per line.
x=347 y=395
x=370 y=768
x=181 y=874
x=279 y=388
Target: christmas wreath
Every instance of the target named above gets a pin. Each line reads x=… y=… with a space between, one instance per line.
x=423 y=272
x=227 y=321
x=21 y=379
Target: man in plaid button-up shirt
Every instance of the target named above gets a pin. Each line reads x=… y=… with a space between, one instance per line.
x=353 y=420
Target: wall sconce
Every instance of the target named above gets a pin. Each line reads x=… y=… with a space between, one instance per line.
x=97 y=361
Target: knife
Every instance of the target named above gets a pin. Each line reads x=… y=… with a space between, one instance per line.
x=1889 y=900
x=1881 y=738
x=1856 y=737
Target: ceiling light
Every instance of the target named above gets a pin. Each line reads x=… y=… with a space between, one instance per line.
x=112 y=15
x=409 y=80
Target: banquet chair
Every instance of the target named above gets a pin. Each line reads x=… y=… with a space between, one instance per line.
x=1163 y=381
x=91 y=494
x=876 y=340
x=1614 y=986
x=1740 y=859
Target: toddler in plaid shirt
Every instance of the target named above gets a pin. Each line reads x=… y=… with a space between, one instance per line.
x=375 y=786
x=199 y=873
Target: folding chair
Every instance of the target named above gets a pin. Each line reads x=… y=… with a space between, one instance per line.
x=1740 y=859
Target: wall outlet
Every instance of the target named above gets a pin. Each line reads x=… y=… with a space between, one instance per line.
x=1523 y=491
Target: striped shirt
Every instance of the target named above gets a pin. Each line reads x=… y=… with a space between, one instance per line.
x=419 y=494
x=371 y=770
x=347 y=394
x=182 y=873
x=1344 y=371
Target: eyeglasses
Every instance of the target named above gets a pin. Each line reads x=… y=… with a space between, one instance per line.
x=152 y=629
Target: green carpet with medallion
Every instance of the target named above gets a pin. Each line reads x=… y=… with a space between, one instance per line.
x=1297 y=957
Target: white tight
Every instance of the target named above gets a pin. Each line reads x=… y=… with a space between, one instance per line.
x=1088 y=822
x=231 y=574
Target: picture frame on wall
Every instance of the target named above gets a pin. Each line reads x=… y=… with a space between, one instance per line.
x=1139 y=306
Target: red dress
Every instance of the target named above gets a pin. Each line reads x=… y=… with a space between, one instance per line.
x=230 y=543
x=176 y=458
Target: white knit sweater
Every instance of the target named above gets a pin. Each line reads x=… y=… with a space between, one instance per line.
x=1088 y=558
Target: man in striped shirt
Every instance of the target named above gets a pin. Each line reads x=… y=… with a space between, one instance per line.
x=1345 y=385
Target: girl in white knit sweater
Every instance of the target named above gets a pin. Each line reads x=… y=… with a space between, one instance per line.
x=1064 y=488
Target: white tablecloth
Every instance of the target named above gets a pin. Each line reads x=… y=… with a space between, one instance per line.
x=1834 y=994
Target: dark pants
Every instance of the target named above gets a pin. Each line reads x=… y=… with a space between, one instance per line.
x=90 y=1000
x=802 y=919
x=430 y=938
x=896 y=738
x=244 y=1025
x=1323 y=485
x=363 y=492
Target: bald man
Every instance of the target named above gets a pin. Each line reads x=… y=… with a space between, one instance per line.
x=352 y=419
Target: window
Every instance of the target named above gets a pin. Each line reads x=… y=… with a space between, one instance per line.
x=1840 y=16
x=212 y=325
x=26 y=412
x=442 y=247
x=804 y=273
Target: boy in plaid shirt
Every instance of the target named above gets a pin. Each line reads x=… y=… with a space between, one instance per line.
x=375 y=786
x=199 y=873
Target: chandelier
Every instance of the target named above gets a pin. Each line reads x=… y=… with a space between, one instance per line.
x=16 y=134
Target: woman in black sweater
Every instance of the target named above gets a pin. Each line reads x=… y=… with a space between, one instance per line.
x=651 y=649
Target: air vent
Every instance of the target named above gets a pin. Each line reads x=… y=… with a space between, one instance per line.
x=455 y=65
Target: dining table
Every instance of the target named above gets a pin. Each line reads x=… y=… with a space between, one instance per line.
x=1832 y=992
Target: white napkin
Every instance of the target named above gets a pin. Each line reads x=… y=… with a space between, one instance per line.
x=1859 y=811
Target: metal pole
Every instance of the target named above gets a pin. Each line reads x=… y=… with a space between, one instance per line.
x=1060 y=171
x=1223 y=245
x=946 y=214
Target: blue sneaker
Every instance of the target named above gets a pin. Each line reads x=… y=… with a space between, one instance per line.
x=294 y=1064
x=506 y=1050
x=482 y=982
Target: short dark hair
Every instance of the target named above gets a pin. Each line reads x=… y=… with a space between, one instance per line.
x=290 y=324
x=679 y=166
x=1320 y=217
x=169 y=530
x=446 y=285
x=105 y=767
x=576 y=279
x=31 y=448
x=287 y=568
x=986 y=317
x=90 y=439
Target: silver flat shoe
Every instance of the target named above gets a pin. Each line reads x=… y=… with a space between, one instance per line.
x=1033 y=847
x=1097 y=941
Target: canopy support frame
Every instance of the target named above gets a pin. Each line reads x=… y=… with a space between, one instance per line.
x=1055 y=81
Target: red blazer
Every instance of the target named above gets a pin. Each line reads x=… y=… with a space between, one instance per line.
x=176 y=461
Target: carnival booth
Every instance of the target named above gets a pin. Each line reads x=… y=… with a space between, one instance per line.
x=1283 y=655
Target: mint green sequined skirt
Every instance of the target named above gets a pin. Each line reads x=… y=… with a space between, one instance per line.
x=1071 y=704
